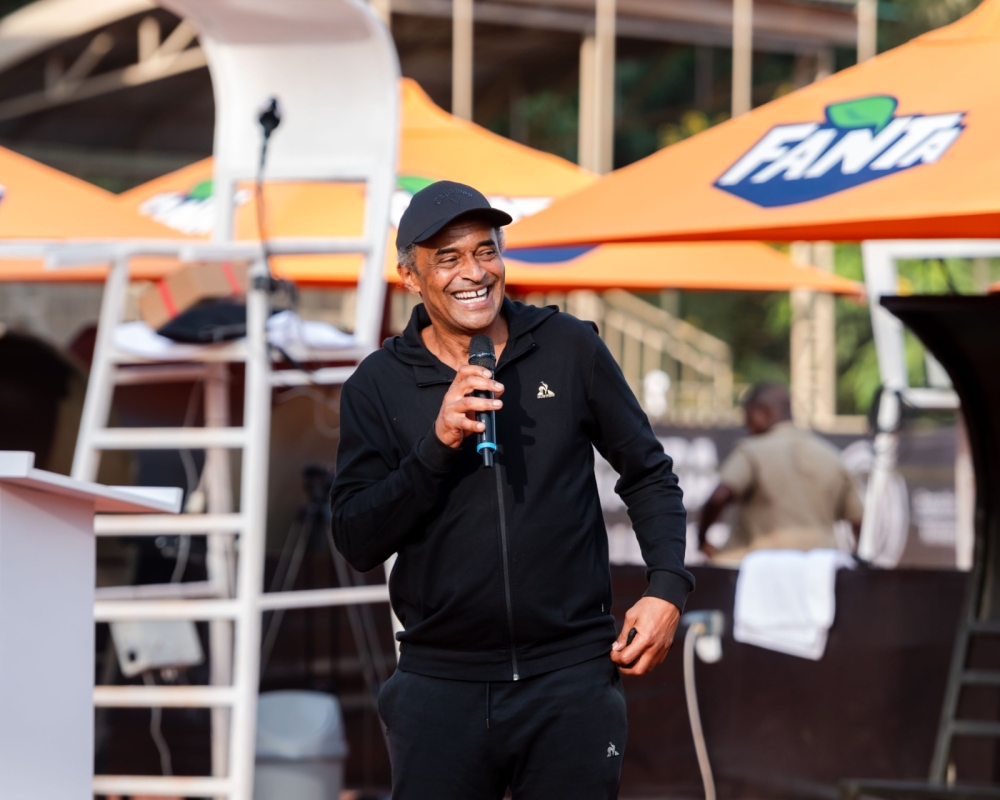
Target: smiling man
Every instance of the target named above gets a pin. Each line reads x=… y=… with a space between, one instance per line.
x=509 y=657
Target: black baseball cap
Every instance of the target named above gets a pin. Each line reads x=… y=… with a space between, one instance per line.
x=434 y=206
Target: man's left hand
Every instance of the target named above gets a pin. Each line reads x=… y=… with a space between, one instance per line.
x=655 y=622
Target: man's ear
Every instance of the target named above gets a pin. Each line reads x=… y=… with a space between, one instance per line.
x=409 y=278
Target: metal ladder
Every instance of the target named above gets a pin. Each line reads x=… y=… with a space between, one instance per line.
x=334 y=68
x=975 y=623
x=229 y=607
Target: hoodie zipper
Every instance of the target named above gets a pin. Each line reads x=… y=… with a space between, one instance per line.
x=506 y=573
x=502 y=518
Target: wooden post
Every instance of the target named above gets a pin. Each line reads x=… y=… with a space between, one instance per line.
x=824 y=63
x=742 y=56
x=461 y=58
x=604 y=60
x=867 y=12
x=824 y=344
x=813 y=349
x=801 y=345
x=597 y=92
x=586 y=128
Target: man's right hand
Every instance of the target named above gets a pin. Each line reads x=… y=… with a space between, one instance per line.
x=457 y=417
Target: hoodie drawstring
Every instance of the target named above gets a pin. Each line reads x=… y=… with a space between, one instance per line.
x=487 y=705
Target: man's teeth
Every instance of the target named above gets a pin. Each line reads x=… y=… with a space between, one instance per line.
x=472 y=295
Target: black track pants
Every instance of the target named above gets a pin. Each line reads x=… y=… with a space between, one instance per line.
x=557 y=736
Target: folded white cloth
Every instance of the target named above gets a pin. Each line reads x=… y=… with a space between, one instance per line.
x=285 y=329
x=785 y=599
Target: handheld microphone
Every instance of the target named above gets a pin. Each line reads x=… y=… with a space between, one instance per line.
x=482 y=354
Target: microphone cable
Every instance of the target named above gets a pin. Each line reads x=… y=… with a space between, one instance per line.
x=269 y=119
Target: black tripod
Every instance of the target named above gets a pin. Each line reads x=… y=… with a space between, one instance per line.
x=311 y=520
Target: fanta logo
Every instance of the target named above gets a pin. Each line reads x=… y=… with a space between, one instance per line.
x=860 y=141
x=409 y=185
x=192 y=212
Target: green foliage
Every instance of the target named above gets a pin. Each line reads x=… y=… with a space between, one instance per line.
x=754 y=324
x=772 y=78
x=691 y=122
x=545 y=120
x=857 y=366
x=757 y=325
x=901 y=20
x=652 y=89
x=551 y=118
x=654 y=103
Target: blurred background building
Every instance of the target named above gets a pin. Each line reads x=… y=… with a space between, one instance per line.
x=117 y=92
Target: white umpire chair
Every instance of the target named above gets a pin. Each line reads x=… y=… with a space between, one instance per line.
x=333 y=68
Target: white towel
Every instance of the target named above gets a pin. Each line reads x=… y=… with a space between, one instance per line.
x=785 y=600
x=284 y=329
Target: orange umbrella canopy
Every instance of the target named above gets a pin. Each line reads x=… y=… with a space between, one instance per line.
x=901 y=146
x=434 y=146
x=38 y=202
x=735 y=266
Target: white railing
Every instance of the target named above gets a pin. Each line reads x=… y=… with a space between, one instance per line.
x=643 y=338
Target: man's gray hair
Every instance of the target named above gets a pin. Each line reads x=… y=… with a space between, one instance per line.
x=407 y=256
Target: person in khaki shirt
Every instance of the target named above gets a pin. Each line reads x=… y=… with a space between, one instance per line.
x=789 y=484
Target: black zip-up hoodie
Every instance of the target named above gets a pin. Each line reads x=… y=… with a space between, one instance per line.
x=502 y=573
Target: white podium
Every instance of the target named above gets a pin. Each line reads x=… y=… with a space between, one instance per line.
x=47 y=565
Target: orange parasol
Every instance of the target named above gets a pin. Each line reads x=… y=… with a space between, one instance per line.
x=38 y=202
x=435 y=145
x=901 y=146
x=734 y=266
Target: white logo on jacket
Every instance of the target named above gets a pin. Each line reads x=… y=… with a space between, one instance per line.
x=611 y=750
x=544 y=391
